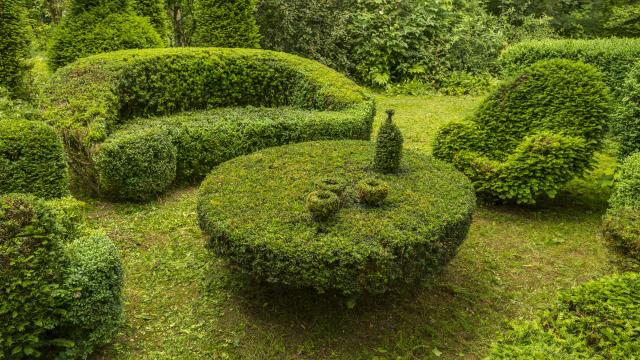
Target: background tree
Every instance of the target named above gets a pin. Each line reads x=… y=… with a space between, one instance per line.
x=154 y=11
x=226 y=23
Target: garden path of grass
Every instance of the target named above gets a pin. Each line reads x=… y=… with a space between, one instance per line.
x=181 y=305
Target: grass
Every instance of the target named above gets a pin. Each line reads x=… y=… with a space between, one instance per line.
x=182 y=304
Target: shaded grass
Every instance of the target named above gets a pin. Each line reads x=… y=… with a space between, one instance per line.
x=183 y=304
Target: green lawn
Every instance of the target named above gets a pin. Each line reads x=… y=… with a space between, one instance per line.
x=181 y=304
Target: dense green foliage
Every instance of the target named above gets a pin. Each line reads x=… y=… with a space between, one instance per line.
x=322 y=204
x=372 y=192
x=266 y=231
x=226 y=23
x=61 y=288
x=93 y=27
x=597 y=320
x=32 y=159
x=614 y=57
x=622 y=220
x=388 y=146
x=537 y=131
x=155 y=12
x=14 y=46
x=93 y=102
x=628 y=115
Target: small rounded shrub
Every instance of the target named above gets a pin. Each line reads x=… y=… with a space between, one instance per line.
x=621 y=223
x=117 y=113
x=32 y=159
x=226 y=23
x=267 y=233
x=336 y=186
x=388 y=146
x=372 y=191
x=14 y=46
x=536 y=132
x=322 y=204
x=597 y=320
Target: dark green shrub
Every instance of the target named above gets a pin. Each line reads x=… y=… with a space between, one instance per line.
x=14 y=46
x=32 y=159
x=537 y=131
x=226 y=23
x=155 y=12
x=97 y=27
x=266 y=232
x=628 y=115
x=372 y=191
x=597 y=320
x=621 y=223
x=101 y=105
x=322 y=204
x=388 y=146
x=31 y=263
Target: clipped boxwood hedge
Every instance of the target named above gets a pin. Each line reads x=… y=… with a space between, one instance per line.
x=100 y=105
x=598 y=320
x=613 y=57
x=537 y=131
x=61 y=285
x=622 y=221
x=32 y=159
x=266 y=231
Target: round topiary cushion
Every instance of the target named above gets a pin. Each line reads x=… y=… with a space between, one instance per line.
x=252 y=210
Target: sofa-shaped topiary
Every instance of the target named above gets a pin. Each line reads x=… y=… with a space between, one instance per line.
x=537 y=131
x=32 y=159
x=61 y=284
x=597 y=320
x=253 y=212
x=621 y=222
x=103 y=104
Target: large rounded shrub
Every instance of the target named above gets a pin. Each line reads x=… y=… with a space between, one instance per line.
x=104 y=107
x=32 y=159
x=536 y=132
x=14 y=46
x=597 y=320
x=97 y=27
x=266 y=231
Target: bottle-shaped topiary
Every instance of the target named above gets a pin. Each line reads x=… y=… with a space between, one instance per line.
x=322 y=204
x=14 y=47
x=372 y=191
x=388 y=146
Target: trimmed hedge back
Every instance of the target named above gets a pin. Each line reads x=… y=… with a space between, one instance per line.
x=613 y=57
x=32 y=159
x=622 y=221
x=533 y=134
x=94 y=101
x=598 y=320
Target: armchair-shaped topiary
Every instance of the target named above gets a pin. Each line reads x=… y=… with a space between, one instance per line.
x=253 y=99
x=537 y=131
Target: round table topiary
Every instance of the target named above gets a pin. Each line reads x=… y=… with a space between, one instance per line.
x=252 y=211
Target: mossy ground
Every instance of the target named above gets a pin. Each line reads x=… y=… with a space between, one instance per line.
x=180 y=305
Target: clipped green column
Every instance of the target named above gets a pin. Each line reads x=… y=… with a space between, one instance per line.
x=388 y=146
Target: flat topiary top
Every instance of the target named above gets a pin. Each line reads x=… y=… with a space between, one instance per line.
x=252 y=208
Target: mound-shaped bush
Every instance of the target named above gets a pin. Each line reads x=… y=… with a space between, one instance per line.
x=61 y=287
x=94 y=27
x=102 y=106
x=533 y=134
x=32 y=159
x=266 y=232
x=622 y=220
x=598 y=320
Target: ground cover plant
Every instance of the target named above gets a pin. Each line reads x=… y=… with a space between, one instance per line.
x=93 y=103
x=369 y=247
x=534 y=133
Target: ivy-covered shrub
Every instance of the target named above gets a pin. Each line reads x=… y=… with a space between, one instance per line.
x=628 y=115
x=372 y=191
x=597 y=320
x=93 y=27
x=154 y=11
x=388 y=146
x=537 y=131
x=266 y=232
x=32 y=159
x=226 y=23
x=102 y=105
x=14 y=46
x=61 y=285
x=622 y=221
x=322 y=204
